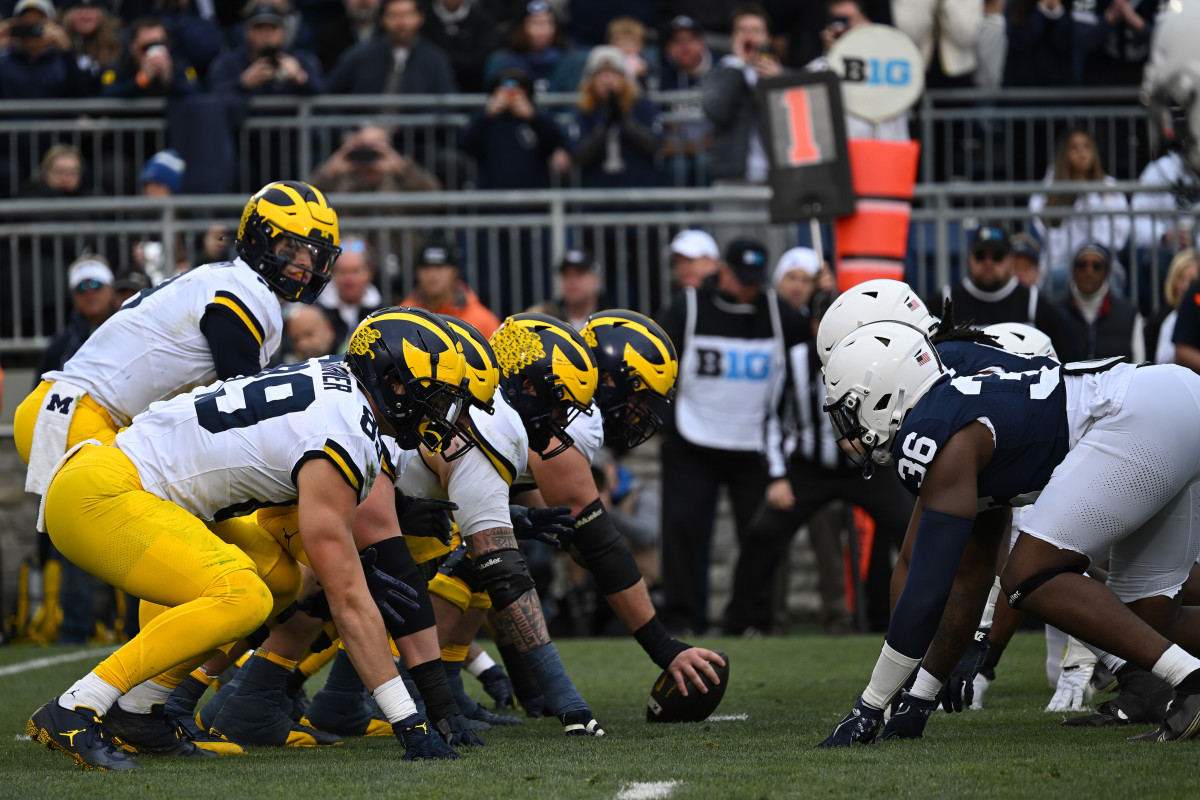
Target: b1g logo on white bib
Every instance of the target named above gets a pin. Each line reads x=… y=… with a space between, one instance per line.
x=733 y=365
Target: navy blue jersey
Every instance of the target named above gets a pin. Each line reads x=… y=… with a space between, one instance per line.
x=1023 y=401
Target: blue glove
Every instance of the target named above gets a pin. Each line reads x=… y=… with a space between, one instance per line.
x=498 y=686
x=858 y=727
x=420 y=740
x=454 y=730
x=394 y=597
x=552 y=526
x=959 y=689
x=909 y=718
x=425 y=516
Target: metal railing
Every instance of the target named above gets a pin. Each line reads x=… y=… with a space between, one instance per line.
x=1008 y=135
x=511 y=240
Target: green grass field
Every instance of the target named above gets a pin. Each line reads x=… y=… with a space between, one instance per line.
x=791 y=691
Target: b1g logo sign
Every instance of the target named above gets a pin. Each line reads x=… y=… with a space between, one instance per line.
x=744 y=365
x=882 y=71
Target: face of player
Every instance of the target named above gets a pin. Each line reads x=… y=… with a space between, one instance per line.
x=990 y=267
x=796 y=287
x=1089 y=272
x=351 y=276
x=401 y=20
x=300 y=260
x=311 y=334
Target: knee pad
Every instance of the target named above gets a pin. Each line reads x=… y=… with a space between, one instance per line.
x=392 y=556
x=504 y=576
x=1023 y=589
x=600 y=549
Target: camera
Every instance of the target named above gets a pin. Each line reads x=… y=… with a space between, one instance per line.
x=27 y=30
x=270 y=54
x=156 y=48
x=363 y=155
x=510 y=85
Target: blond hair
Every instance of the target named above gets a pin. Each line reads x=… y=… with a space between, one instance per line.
x=1181 y=260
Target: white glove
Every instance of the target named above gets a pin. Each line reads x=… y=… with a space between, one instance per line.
x=981 y=685
x=1074 y=690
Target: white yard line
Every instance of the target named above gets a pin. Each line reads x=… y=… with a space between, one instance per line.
x=50 y=661
x=728 y=718
x=22 y=737
x=655 y=790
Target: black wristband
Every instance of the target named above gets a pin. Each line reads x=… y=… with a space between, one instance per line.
x=659 y=644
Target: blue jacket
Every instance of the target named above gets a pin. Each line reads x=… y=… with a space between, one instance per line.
x=226 y=71
x=52 y=75
x=640 y=167
x=365 y=67
x=120 y=80
x=511 y=152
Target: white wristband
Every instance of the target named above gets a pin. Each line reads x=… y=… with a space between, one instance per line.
x=482 y=663
x=891 y=671
x=394 y=700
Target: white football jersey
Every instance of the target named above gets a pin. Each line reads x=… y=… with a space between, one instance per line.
x=152 y=348
x=588 y=432
x=478 y=481
x=227 y=449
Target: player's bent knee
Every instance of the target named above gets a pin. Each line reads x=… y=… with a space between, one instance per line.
x=1017 y=591
x=504 y=576
x=601 y=550
x=250 y=601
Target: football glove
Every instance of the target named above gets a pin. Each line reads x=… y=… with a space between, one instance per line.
x=552 y=526
x=455 y=732
x=421 y=742
x=858 y=727
x=1074 y=690
x=395 y=598
x=958 y=691
x=498 y=686
x=425 y=516
x=980 y=684
x=909 y=719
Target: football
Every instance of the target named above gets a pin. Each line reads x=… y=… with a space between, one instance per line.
x=666 y=704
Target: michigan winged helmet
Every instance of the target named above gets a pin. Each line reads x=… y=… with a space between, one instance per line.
x=411 y=365
x=547 y=373
x=298 y=215
x=637 y=361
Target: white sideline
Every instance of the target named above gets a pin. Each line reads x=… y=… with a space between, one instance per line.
x=653 y=790
x=50 y=661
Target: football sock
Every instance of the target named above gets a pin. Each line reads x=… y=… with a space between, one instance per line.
x=926 y=686
x=90 y=691
x=452 y=661
x=1178 y=668
x=342 y=675
x=547 y=669
x=482 y=663
x=147 y=693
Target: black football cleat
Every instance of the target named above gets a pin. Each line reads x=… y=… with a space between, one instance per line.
x=258 y=719
x=1143 y=698
x=345 y=714
x=481 y=714
x=1181 y=722
x=154 y=734
x=80 y=734
x=580 y=723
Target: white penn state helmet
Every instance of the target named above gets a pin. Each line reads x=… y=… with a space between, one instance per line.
x=1022 y=339
x=873 y=379
x=1172 y=80
x=871 y=301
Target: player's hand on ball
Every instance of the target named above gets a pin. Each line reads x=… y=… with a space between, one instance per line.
x=687 y=665
x=858 y=727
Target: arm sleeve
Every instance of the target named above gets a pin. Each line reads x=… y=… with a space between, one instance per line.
x=937 y=550
x=234 y=344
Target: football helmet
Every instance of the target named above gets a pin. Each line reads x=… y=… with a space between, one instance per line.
x=483 y=376
x=298 y=214
x=871 y=301
x=1022 y=339
x=411 y=365
x=548 y=374
x=874 y=377
x=1171 y=80
x=637 y=361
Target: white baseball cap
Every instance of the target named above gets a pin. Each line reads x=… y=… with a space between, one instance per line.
x=695 y=244
x=804 y=258
x=89 y=269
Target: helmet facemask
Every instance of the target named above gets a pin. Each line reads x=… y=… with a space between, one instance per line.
x=275 y=266
x=548 y=410
x=625 y=403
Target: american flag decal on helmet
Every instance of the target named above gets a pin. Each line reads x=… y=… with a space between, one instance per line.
x=912 y=303
x=922 y=358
